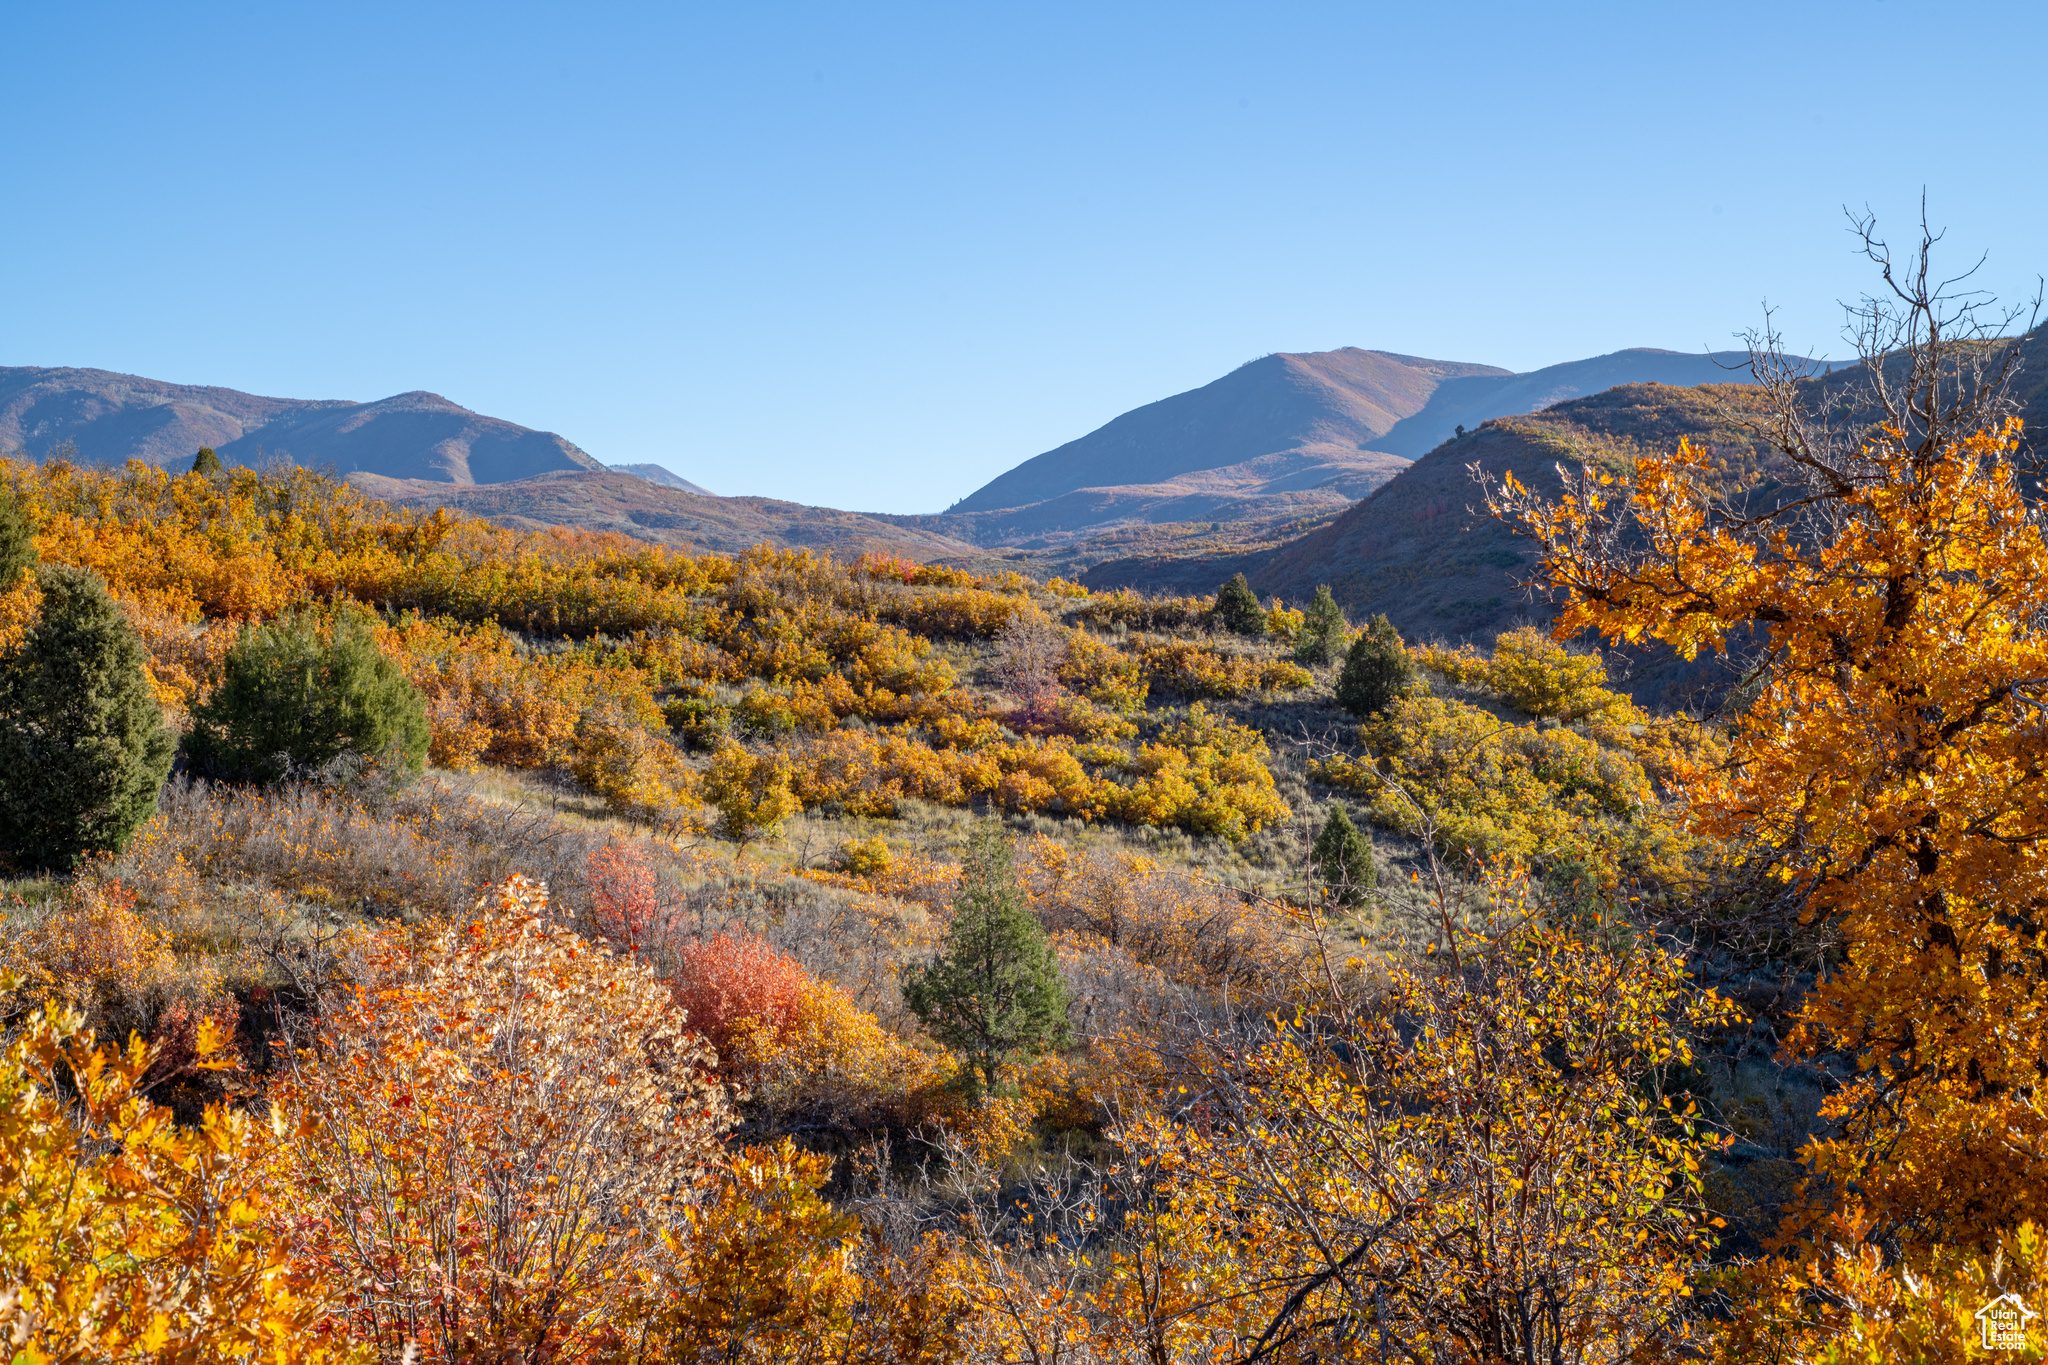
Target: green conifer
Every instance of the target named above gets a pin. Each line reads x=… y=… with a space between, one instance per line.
x=1237 y=607
x=83 y=747
x=1321 y=637
x=17 y=543
x=993 y=992
x=206 y=463
x=1376 y=671
x=1343 y=859
x=300 y=693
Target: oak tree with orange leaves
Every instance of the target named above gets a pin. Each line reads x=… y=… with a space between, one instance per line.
x=1888 y=577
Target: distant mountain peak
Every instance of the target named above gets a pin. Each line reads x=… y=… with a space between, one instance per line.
x=108 y=418
x=1335 y=424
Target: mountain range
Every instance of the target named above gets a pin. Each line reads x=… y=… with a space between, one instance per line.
x=1347 y=467
x=1289 y=434
x=105 y=417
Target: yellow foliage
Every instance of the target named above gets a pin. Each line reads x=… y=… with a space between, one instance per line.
x=1549 y=796
x=1284 y=622
x=639 y=775
x=124 y=1238
x=1888 y=769
x=750 y=792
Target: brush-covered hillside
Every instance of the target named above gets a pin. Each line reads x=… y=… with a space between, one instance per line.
x=864 y=960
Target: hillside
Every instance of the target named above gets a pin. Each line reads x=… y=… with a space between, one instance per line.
x=610 y=500
x=109 y=418
x=1421 y=550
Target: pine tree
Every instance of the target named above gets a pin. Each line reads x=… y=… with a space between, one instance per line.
x=206 y=463
x=301 y=693
x=1321 y=638
x=1237 y=607
x=83 y=747
x=17 y=544
x=993 y=993
x=1343 y=859
x=1376 y=671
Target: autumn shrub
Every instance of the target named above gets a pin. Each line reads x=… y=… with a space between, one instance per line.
x=1538 y=677
x=94 y=950
x=1206 y=774
x=732 y=985
x=625 y=903
x=1136 y=611
x=1104 y=674
x=1194 y=933
x=972 y=614
x=489 y=1136
x=638 y=773
x=750 y=793
x=866 y=858
x=1193 y=672
x=1415 y=1170
x=125 y=1238
x=1483 y=788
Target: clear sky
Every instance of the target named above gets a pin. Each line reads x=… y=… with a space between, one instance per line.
x=871 y=256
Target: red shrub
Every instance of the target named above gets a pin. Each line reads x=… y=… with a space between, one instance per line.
x=622 y=895
x=729 y=980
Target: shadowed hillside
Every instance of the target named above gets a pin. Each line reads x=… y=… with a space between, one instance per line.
x=1469 y=400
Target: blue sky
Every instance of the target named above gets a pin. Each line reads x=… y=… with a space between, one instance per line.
x=871 y=256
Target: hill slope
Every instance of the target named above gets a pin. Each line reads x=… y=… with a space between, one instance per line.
x=109 y=418
x=609 y=500
x=1421 y=549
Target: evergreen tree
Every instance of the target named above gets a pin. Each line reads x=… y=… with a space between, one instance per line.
x=993 y=993
x=83 y=747
x=1237 y=607
x=1376 y=671
x=206 y=462
x=1321 y=638
x=300 y=693
x=1343 y=859
x=17 y=544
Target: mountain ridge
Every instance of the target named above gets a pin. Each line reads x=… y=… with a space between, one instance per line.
x=105 y=417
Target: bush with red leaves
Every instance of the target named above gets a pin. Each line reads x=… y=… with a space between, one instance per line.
x=729 y=980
